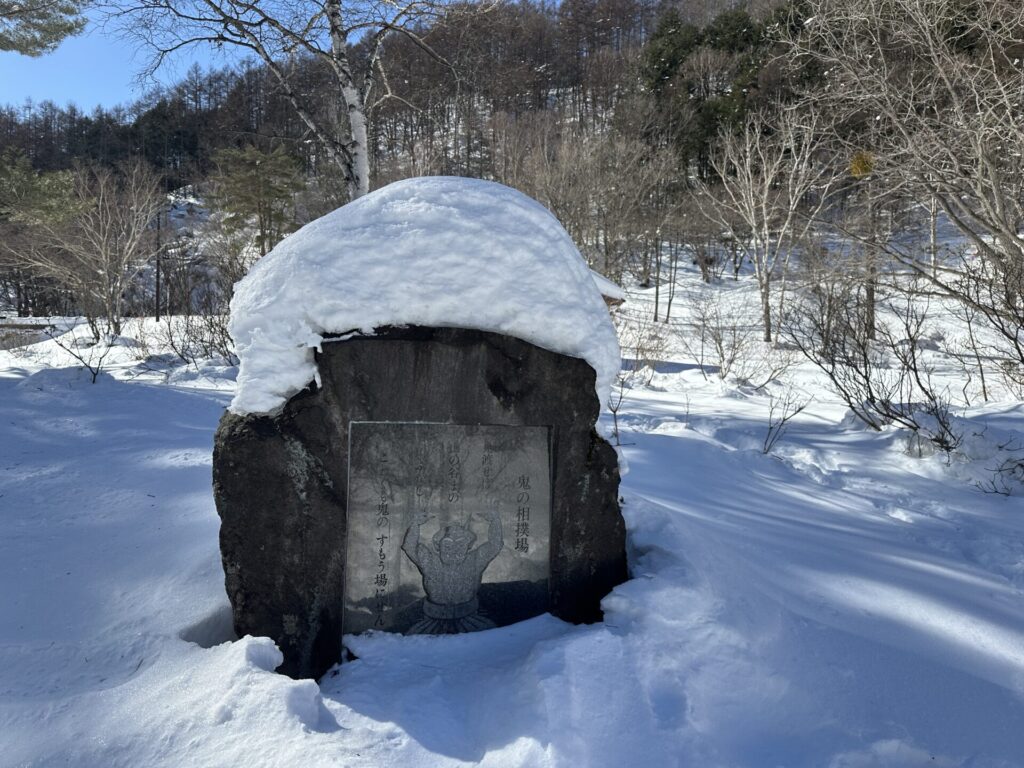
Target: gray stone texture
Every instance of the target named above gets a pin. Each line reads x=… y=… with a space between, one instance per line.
x=280 y=481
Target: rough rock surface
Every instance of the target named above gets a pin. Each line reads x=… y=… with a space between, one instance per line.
x=280 y=482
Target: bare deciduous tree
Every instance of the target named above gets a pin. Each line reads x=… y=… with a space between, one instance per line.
x=772 y=177
x=96 y=248
x=608 y=190
x=346 y=38
x=931 y=93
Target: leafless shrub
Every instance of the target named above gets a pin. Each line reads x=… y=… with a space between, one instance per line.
x=92 y=354
x=781 y=410
x=198 y=337
x=716 y=338
x=883 y=380
x=199 y=331
x=12 y=338
x=969 y=354
x=1007 y=477
x=643 y=342
x=711 y=339
x=995 y=294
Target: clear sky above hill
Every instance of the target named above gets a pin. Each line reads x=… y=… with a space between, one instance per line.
x=95 y=68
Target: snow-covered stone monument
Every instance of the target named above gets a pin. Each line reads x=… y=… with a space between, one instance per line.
x=412 y=446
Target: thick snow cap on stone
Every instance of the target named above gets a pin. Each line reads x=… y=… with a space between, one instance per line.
x=436 y=251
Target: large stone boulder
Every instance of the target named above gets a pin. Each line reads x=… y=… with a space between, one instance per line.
x=281 y=481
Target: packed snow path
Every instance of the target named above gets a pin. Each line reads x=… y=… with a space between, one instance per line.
x=838 y=604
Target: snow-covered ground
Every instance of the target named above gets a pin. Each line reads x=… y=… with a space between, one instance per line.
x=838 y=603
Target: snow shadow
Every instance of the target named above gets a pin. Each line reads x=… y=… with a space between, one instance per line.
x=667 y=367
x=837 y=550
x=543 y=690
x=105 y=490
x=215 y=628
x=458 y=695
x=852 y=568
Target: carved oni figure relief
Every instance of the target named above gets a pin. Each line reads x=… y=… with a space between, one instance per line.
x=448 y=527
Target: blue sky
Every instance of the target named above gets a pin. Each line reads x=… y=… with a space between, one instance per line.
x=89 y=70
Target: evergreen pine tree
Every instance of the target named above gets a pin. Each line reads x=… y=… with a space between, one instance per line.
x=257 y=188
x=35 y=27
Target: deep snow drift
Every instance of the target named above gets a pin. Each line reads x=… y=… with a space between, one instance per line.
x=837 y=604
x=439 y=251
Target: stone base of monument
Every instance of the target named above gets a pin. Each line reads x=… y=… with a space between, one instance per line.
x=437 y=480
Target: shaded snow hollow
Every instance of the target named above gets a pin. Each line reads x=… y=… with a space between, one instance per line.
x=435 y=251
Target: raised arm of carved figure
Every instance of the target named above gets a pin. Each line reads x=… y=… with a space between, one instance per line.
x=491 y=548
x=417 y=551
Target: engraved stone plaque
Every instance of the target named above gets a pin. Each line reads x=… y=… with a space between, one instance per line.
x=449 y=527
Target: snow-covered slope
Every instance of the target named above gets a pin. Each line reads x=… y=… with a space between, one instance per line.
x=440 y=251
x=837 y=604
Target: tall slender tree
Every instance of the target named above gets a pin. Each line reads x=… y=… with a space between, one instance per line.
x=345 y=37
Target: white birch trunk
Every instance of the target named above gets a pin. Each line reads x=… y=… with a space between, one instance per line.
x=359 y=181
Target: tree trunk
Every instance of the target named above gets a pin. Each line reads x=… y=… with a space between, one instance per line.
x=657 y=276
x=766 y=308
x=359 y=179
x=673 y=271
x=869 y=301
x=869 y=290
x=357 y=164
x=933 y=234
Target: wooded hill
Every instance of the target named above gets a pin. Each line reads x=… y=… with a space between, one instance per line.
x=819 y=148
x=580 y=65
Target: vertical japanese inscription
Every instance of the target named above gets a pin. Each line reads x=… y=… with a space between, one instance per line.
x=454 y=473
x=449 y=526
x=522 y=488
x=383 y=520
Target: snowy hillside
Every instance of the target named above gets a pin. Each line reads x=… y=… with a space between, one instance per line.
x=837 y=603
